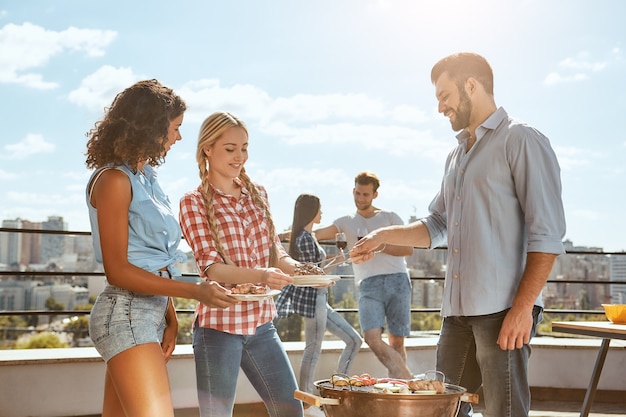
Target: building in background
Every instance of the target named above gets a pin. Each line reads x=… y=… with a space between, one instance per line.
x=10 y=243
x=618 y=273
x=20 y=248
x=53 y=245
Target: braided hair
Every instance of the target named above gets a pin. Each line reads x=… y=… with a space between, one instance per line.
x=211 y=130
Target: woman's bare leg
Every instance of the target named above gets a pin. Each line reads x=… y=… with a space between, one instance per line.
x=112 y=405
x=137 y=384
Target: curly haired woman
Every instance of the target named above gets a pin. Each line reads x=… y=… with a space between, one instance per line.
x=133 y=323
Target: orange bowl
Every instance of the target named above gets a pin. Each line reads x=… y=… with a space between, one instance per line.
x=616 y=313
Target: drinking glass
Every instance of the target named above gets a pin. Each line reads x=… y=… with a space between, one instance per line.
x=341 y=242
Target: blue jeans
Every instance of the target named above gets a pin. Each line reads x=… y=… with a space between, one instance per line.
x=218 y=357
x=468 y=355
x=314 y=329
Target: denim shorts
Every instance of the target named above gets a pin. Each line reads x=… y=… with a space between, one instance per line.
x=386 y=296
x=121 y=319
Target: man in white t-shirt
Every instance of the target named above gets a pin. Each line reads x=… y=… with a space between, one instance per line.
x=384 y=284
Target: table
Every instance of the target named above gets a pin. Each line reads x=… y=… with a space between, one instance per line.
x=602 y=329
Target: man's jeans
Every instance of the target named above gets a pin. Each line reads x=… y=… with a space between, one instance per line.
x=218 y=357
x=468 y=355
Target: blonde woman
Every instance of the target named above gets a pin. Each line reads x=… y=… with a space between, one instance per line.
x=227 y=223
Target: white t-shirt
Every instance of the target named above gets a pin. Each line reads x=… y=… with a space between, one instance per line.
x=382 y=264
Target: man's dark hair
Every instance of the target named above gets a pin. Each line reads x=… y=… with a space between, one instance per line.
x=463 y=65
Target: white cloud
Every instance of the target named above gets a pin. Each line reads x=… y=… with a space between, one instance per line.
x=314 y=108
x=556 y=78
x=205 y=96
x=93 y=42
x=582 y=64
x=297 y=179
x=584 y=214
x=254 y=104
x=409 y=114
x=82 y=175
x=571 y=158
x=32 y=144
x=98 y=90
x=45 y=199
x=616 y=53
x=27 y=47
x=5 y=175
x=394 y=140
x=579 y=68
x=313 y=119
x=310 y=108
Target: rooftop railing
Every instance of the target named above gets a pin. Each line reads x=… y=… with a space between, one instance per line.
x=580 y=282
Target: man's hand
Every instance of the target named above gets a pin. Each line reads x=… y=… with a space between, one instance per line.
x=365 y=249
x=516 y=327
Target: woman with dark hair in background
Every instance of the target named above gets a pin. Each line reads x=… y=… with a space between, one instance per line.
x=312 y=303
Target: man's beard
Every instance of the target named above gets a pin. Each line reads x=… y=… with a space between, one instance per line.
x=463 y=113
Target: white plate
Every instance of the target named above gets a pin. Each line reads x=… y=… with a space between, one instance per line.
x=314 y=280
x=255 y=297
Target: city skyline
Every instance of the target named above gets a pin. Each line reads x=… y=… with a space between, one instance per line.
x=327 y=89
x=67 y=253
x=9 y=223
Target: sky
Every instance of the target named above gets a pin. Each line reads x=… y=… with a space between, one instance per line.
x=327 y=88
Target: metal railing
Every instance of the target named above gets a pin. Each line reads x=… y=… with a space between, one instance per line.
x=430 y=279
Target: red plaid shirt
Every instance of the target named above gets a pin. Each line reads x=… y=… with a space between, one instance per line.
x=243 y=232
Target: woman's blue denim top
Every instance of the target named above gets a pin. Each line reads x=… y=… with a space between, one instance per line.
x=153 y=231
